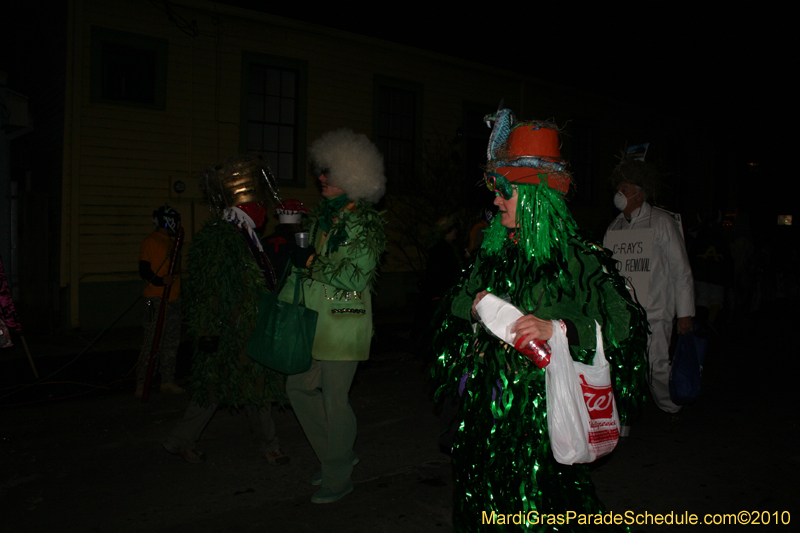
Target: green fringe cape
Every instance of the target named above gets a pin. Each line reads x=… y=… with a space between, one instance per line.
x=221 y=293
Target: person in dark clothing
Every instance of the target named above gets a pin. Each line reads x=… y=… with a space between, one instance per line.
x=712 y=267
x=444 y=262
x=154 y=261
x=443 y=270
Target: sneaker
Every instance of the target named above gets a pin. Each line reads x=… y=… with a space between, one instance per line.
x=276 y=458
x=316 y=479
x=190 y=456
x=170 y=388
x=324 y=495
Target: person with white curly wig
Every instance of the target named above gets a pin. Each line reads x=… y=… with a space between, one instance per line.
x=337 y=272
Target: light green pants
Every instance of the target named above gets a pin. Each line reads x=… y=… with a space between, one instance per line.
x=320 y=399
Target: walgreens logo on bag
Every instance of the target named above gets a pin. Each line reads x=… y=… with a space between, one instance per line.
x=603 y=429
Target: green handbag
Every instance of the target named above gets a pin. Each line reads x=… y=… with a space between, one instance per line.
x=284 y=334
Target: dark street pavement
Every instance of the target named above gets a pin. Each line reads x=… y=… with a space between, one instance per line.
x=75 y=457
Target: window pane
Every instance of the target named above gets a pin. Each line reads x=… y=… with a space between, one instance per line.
x=129 y=73
x=273 y=82
x=406 y=124
x=256 y=80
x=287 y=139
x=255 y=137
x=255 y=108
x=406 y=105
x=271 y=138
x=272 y=116
x=394 y=103
x=288 y=82
x=396 y=134
x=272 y=112
x=287 y=111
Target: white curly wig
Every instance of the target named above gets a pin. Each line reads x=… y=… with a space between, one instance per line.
x=352 y=163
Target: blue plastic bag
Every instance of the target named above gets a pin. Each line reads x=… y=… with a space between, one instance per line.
x=685 y=377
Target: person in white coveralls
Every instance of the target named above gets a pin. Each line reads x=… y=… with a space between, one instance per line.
x=671 y=288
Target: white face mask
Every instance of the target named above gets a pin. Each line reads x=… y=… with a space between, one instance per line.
x=621 y=201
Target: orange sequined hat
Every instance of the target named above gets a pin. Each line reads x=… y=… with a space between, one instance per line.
x=526 y=152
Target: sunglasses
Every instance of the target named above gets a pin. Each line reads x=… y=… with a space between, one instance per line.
x=498 y=184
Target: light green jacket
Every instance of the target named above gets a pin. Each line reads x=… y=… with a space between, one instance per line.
x=338 y=284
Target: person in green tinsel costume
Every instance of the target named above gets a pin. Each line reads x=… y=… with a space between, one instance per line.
x=533 y=256
x=227 y=270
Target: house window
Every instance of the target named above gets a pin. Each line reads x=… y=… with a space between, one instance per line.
x=398 y=117
x=273 y=114
x=128 y=69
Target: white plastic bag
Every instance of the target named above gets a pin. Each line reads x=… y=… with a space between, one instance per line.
x=582 y=416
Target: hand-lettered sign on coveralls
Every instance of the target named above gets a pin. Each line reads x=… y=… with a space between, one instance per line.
x=633 y=251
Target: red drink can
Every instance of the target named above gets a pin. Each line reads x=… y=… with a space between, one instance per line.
x=535 y=350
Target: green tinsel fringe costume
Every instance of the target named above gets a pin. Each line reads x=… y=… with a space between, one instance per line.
x=221 y=293
x=501 y=455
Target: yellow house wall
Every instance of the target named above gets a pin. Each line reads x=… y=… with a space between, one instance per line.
x=121 y=161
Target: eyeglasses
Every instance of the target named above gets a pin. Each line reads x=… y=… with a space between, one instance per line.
x=498 y=184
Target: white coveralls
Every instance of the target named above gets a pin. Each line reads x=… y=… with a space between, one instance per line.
x=671 y=291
